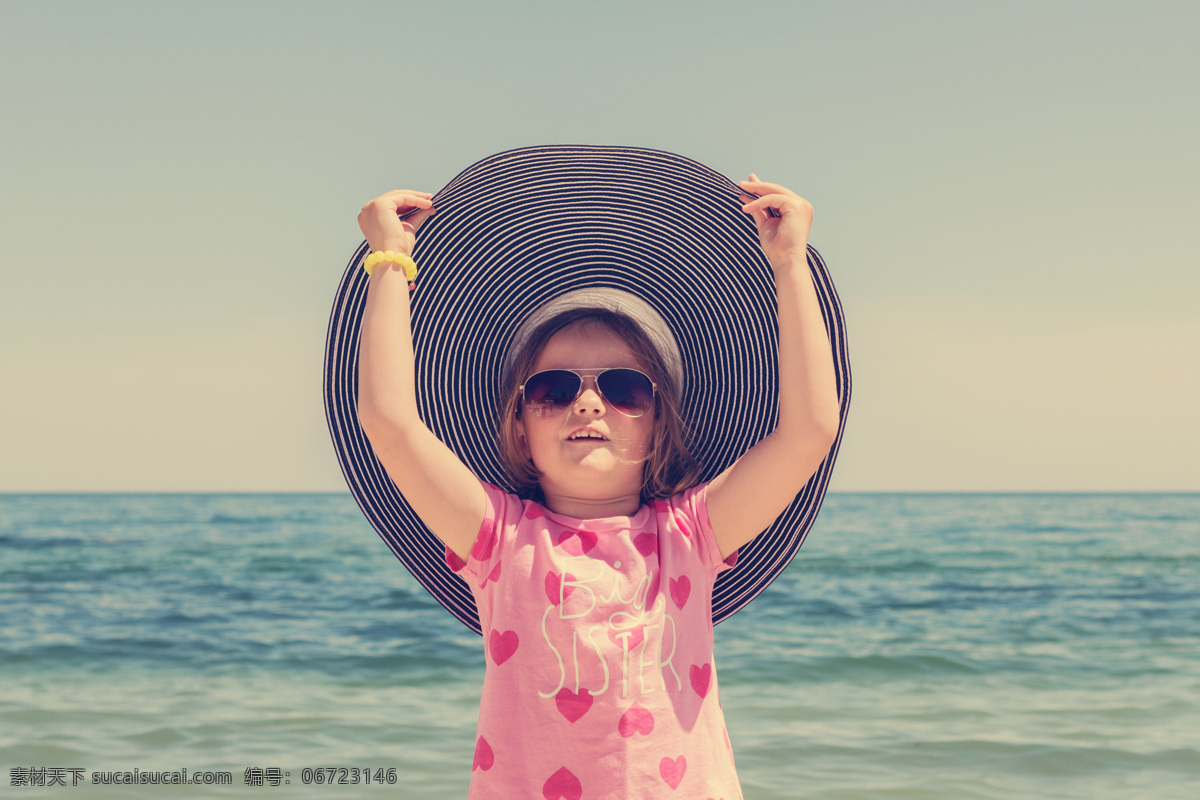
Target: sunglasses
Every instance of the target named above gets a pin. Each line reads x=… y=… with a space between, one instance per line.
x=548 y=393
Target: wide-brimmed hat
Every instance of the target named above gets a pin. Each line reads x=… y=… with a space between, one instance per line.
x=514 y=232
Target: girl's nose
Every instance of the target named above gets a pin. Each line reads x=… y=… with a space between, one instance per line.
x=589 y=400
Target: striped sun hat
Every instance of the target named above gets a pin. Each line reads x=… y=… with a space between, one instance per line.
x=522 y=228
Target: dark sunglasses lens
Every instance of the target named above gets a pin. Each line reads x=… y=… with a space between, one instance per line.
x=548 y=393
x=627 y=389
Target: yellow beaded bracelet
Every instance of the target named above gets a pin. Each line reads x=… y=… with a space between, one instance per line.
x=392 y=257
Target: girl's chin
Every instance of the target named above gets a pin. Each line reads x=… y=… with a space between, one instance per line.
x=591 y=460
x=595 y=464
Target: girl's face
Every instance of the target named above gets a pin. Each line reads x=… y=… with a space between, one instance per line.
x=591 y=469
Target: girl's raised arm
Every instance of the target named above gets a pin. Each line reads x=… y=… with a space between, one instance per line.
x=747 y=497
x=439 y=487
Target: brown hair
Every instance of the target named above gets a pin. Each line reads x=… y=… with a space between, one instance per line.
x=670 y=467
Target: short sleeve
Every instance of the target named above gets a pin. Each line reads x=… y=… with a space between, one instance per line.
x=691 y=506
x=489 y=542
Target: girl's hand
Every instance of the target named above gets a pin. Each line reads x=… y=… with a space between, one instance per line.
x=384 y=230
x=784 y=238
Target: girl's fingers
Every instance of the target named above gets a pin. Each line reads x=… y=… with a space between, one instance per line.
x=391 y=220
x=406 y=198
x=755 y=182
x=405 y=191
x=756 y=210
x=776 y=201
x=415 y=218
x=762 y=187
x=396 y=203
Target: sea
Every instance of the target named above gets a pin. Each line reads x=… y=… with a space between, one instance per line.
x=955 y=646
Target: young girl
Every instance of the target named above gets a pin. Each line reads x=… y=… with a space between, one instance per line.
x=594 y=582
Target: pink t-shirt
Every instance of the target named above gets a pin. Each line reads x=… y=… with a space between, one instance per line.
x=598 y=640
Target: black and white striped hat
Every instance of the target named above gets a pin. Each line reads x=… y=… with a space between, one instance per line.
x=524 y=227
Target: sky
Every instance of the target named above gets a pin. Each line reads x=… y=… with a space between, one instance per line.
x=1000 y=189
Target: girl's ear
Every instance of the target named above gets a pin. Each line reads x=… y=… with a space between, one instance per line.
x=520 y=428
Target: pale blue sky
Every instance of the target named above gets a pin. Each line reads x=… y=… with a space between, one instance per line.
x=1001 y=193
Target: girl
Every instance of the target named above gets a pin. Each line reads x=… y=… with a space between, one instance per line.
x=594 y=583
